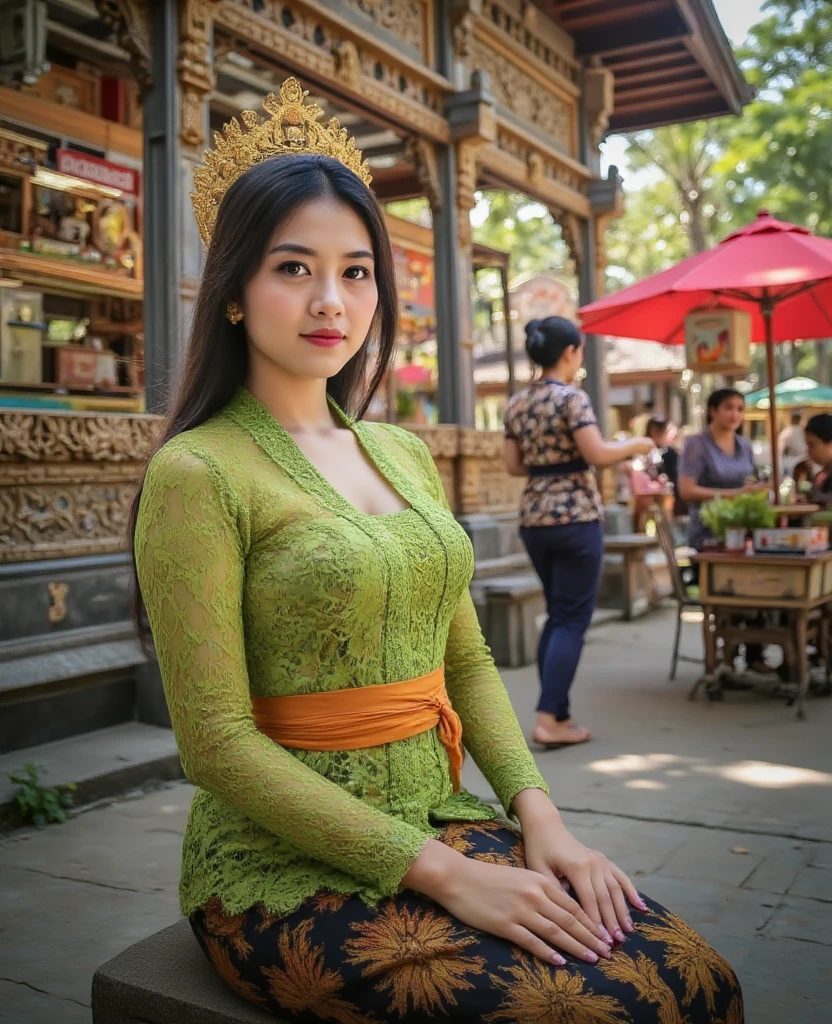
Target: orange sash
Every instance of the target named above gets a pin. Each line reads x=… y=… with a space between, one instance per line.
x=364 y=716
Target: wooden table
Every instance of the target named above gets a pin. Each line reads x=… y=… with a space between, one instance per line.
x=633 y=549
x=796 y=585
x=802 y=512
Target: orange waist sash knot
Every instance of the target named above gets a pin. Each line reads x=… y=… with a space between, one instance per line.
x=364 y=716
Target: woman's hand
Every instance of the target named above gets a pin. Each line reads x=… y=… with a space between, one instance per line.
x=601 y=888
x=641 y=445
x=522 y=906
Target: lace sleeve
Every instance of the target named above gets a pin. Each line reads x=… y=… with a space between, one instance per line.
x=190 y=552
x=490 y=730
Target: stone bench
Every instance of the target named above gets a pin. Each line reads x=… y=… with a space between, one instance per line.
x=625 y=561
x=167 y=979
x=513 y=605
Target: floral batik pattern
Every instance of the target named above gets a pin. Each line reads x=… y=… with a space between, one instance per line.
x=336 y=959
x=542 y=418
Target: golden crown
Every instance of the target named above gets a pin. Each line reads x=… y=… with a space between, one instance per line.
x=292 y=127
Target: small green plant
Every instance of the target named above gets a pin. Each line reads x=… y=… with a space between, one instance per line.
x=37 y=803
x=744 y=512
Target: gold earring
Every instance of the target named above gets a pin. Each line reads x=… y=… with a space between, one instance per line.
x=233 y=312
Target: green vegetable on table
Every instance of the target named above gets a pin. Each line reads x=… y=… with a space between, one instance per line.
x=744 y=512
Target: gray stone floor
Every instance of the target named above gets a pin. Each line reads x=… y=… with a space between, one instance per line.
x=723 y=812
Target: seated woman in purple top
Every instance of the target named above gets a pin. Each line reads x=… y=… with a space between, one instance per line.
x=718 y=463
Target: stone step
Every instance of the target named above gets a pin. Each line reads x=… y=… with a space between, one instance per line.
x=486 y=568
x=64 y=685
x=102 y=764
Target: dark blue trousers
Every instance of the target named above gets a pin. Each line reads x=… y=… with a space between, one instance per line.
x=568 y=561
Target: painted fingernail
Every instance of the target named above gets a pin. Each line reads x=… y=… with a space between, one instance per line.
x=605 y=935
x=642 y=905
x=619 y=935
x=558 y=959
x=628 y=924
x=592 y=957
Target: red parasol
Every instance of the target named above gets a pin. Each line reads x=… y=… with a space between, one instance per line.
x=769 y=266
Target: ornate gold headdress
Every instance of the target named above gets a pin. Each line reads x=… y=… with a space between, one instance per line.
x=292 y=128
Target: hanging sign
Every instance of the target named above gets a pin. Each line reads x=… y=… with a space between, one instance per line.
x=718 y=340
x=102 y=172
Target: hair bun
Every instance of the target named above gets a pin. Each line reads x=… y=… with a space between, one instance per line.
x=533 y=331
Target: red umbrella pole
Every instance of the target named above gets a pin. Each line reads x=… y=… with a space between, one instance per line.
x=768 y=316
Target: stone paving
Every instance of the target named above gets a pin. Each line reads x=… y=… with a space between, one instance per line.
x=722 y=812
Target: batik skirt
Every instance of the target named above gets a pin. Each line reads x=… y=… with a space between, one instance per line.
x=335 y=959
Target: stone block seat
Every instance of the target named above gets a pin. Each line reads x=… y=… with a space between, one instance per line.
x=166 y=979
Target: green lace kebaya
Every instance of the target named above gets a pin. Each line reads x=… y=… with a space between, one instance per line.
x=260 y=579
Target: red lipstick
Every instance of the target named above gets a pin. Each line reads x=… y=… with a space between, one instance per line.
x=324 y=337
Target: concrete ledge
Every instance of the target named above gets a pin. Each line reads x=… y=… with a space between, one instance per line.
x=102 y=764
x=166 y=979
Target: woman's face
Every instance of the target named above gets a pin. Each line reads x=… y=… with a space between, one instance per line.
x=729 y=414
x=820 y=452
x=309 y=307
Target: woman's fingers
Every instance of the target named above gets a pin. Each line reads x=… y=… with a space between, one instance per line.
x=619 y=902
x=581 y=882
x=566 y=904
x=630 y=890
x=565 y=940
x=605 y=903
x=527 y=940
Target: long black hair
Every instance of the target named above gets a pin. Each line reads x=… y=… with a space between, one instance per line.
x=215 y=362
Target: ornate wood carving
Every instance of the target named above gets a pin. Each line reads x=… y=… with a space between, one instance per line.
x=599 y=101
x=570 y=228
x=130 y=22
x=408 y=20
x=196 y=76
x=423 y=154
x=533 y=37
x=466 y=184
x=521 y=161
x=68 y=480
x=523 y=95
x=77 y=437
x=310 y=38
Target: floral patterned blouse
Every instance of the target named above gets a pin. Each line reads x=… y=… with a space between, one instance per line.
x=542 y=418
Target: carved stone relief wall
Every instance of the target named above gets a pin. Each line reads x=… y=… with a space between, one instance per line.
x=68 y=481
x=306 y=36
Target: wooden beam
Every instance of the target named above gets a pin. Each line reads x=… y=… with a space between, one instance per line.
x=670 y=112
x=676 y=51
x=615 y=37
x=671 y=74
x=632 y=97
x=602 y=16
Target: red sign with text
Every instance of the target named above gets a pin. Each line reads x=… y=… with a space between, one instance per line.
x=101 y=172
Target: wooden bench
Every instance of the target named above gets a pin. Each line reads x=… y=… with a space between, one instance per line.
x=638 y=592
x=167 y=979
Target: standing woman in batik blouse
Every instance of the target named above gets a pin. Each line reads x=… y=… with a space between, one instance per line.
x=307 y=590
x=552 y=437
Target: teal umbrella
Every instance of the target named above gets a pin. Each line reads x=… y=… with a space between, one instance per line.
x=792 y=393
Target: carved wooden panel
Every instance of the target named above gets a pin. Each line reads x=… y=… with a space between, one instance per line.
x=67 y=481
x=408 y=20
x=308 y=38
x=523 y=95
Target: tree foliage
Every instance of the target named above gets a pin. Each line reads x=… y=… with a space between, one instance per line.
x=779 y=153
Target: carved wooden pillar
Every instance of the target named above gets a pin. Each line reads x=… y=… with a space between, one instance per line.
x=195 y=69
x=472 y=120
